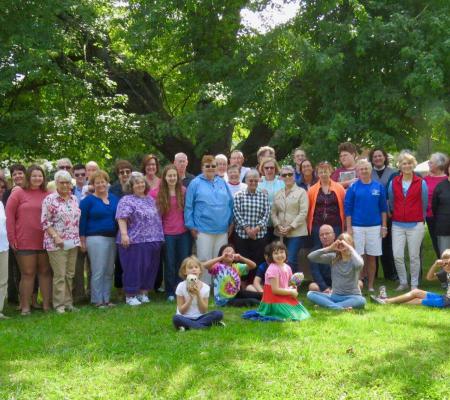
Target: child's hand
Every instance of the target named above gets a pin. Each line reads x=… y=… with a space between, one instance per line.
x=294 y=293
x=236 y=257
x=195 y=290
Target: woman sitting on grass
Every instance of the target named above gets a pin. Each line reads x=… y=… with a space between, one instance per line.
x=192 y=300
x=279 y=301
x=421 y=297
x=346 y=265
x=227 y=270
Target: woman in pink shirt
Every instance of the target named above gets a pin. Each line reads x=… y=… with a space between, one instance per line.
x=170 y=202
x=26 y=237
x=437 y=175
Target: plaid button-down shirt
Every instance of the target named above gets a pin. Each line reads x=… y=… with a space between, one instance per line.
x=251 y=210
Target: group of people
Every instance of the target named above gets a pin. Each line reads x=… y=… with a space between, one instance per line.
x=245 y=225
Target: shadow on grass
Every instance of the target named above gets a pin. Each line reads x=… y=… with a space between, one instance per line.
x=127 y=352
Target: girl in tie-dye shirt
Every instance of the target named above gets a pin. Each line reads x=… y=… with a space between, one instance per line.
x=227 y=270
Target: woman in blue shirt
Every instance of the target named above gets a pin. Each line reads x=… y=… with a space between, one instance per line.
x=98 y=229
x=208 y=211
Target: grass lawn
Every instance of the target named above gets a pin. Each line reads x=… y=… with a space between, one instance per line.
x=384 y=352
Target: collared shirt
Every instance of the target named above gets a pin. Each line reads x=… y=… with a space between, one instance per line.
x=251 y=210
x=77 y=191
x=64 y=217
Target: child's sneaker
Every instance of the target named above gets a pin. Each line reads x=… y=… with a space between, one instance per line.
x=133 y=301
x=221 y=324
x=171 y=299
x=143 y=298
x=181 y=329
x=383 y=293
x=377 y=300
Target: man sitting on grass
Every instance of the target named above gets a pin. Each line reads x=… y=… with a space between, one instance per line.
x=421 y=297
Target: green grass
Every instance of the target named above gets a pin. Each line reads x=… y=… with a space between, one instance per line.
x=384 y=352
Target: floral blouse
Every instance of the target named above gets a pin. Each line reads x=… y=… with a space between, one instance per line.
x=63 y=216
x=143 y=221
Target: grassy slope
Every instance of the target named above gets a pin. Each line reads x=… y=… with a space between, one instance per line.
x=380 y=353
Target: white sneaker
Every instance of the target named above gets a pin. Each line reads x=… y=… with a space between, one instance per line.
x=143 y=298
x=402 y=287
x=133 y=301
x=171 y=299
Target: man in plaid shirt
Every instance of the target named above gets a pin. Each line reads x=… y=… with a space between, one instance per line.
x=251 y=215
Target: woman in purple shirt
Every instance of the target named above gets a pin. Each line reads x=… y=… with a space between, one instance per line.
x=140 y=239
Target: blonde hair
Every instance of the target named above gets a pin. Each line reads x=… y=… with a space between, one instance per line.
x=192 y=260
x=405 y=156
x=347 y=238
x=445 y=254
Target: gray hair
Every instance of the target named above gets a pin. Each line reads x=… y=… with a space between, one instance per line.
x=440 y=159
x=222 y=157
x=289 y=168
x=252 y=172
x=364 y=161
x=64 y=161
x=63 y=175
x=135 y=177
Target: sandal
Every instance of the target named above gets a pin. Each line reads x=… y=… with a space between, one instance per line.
x=25 y=313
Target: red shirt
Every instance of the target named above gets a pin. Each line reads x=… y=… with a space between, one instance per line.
x=432 y=182
x=23 y=219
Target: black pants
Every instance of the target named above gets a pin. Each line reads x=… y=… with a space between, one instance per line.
x=387 y=258
x=432 y=229
x=252 y=249
x=245 y=298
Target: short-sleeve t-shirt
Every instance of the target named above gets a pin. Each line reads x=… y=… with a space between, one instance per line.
x=227 y=281
x=283 y=274
x=261 y=271
x=193 y=312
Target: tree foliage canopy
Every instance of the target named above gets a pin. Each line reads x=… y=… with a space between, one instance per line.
x=90 y=77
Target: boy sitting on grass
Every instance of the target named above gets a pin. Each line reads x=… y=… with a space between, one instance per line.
x=421 y=297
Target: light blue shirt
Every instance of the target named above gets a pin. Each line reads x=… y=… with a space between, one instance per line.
x=209 y=205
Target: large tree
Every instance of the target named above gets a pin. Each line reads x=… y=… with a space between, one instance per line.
x=86 y=78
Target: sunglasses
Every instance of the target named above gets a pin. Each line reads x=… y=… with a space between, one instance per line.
x=210 y=165
x=269 y=167
x=66 y=167
x=124 y=172
x=287 y=175
x=79 y=175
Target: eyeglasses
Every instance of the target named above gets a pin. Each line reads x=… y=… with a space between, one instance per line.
x=210 y=165
x=66 y=167
x=79 y=175
x=287 y=175
x=125 y=172
x=269 y=167
x=252 y=180
x=65 y=182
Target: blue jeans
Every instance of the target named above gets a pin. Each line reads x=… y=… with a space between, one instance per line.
x=336 y=301
x=202 y=322
x=294 y=244
x=177 y=248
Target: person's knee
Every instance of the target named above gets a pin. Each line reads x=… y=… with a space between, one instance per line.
x=217 y=315
x=360 y=302
x=417 y=293
x=313 y=287
x=311 y=295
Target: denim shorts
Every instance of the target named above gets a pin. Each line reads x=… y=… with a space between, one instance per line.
x=434 y=300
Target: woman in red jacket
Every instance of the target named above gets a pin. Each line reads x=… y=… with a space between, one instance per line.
x=26 y=237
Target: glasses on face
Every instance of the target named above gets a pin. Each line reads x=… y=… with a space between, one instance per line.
x=80 y=174
x=125 y=172
x=287 y=175
x=269 y=168
x=65 y=182
x=210 y=165
x=65 y=167
x=253 y=180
